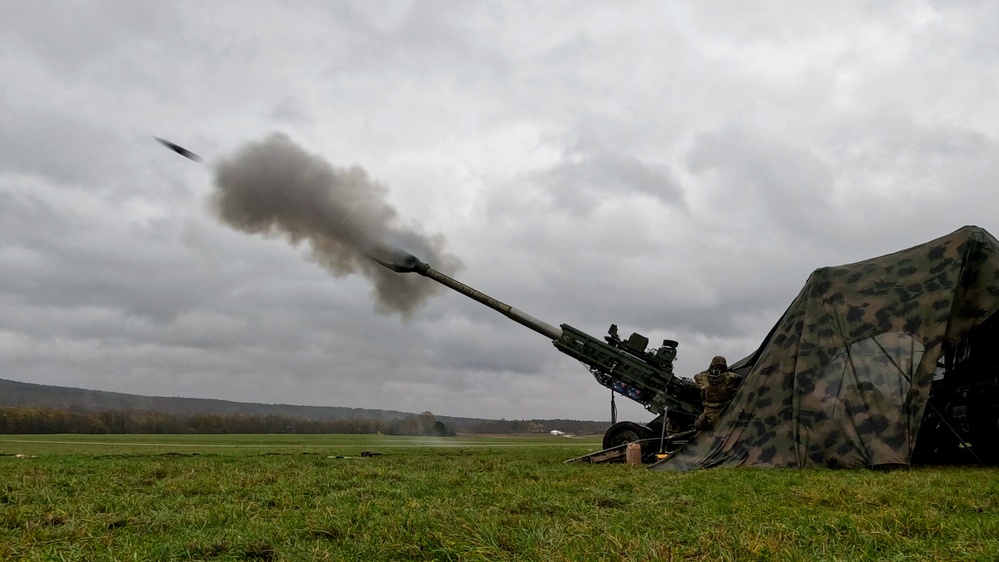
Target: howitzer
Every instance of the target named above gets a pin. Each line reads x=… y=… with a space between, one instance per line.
x=624 y=366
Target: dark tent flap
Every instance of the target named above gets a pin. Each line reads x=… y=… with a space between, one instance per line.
x=844 y=377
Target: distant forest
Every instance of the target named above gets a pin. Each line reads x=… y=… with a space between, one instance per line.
x=33 y=408
x=48 y=420
x=45 y=420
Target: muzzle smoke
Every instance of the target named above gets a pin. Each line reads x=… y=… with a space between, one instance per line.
x=276 y=188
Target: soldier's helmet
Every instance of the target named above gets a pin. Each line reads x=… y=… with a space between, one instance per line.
x=719 y=362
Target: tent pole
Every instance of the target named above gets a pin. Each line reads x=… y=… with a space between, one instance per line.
x=928 y=402
x=954 y=431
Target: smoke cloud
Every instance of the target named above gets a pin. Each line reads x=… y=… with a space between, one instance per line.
x=276 y=188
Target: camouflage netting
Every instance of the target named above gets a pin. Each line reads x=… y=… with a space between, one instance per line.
x=844 y=377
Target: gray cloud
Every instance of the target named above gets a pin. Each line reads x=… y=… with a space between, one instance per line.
x=765 y=179
x=59 y=145
x=676 y=170
x=583 y=178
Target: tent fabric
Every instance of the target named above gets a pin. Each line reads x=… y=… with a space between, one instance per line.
x=844 y=377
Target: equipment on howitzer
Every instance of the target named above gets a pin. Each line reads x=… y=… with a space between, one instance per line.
x=624 y=366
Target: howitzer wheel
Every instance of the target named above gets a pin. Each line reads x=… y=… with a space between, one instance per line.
x=623 y=433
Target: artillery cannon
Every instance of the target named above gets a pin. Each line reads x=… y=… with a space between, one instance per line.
x=626 y=367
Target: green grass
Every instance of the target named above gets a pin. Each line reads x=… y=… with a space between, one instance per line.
x=271 y=497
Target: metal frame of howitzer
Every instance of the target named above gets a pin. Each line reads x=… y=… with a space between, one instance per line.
x=652 y=450
x=626 y=367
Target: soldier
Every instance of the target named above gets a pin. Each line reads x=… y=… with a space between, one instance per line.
x=718 y=386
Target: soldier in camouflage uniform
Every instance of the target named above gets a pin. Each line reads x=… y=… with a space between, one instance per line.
x=718 y=385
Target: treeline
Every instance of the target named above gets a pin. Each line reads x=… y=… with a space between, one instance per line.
x=44 y=420
x=56 y=420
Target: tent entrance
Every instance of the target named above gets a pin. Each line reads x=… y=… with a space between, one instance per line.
x=961 y=423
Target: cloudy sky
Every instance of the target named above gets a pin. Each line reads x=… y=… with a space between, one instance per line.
x=676 y=168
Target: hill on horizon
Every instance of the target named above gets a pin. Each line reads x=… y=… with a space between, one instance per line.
x=31 y=395
x=15 y=394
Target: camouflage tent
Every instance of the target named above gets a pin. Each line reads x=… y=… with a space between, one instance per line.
x=844 y=377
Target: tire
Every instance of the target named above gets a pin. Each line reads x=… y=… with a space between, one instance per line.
x=622 y=433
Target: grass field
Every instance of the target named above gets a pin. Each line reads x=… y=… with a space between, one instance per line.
x=277 y=497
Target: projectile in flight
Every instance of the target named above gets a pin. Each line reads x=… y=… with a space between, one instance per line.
x=179 y=149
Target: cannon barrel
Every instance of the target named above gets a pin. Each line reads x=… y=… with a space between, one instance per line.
x=623 y=365
x=402 y=262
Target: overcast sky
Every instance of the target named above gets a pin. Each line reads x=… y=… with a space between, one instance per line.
x=677 y=168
